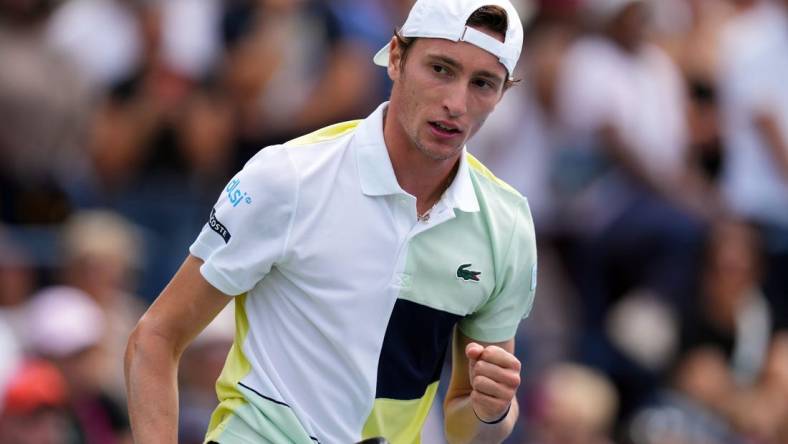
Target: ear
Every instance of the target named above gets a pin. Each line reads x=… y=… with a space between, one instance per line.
x=395 y=57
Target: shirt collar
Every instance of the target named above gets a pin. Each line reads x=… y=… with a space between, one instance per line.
x=374 y=165
x=461 y=194
x=377 y=174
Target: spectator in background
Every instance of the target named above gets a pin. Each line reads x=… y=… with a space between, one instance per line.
x=100 y=255
x=17 y=283
x=694 y=41
x=695 y=48
x=10 y=358
x=285 y=81
x=66 y=327
x=33 y=406
x=205 y=135
x=577 y=405
x=730 y=381
x=170 y=55
x=729 y=344
x=44 y=109
x=112 y=40
x=623 y=184
x=103 y=37
x=755 y=117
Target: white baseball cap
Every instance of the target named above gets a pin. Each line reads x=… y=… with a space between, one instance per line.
x=446 y=19
x=62 y=321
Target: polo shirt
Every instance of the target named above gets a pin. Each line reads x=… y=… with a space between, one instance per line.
x=345 y=302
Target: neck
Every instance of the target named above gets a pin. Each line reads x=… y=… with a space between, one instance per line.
x=418 y=174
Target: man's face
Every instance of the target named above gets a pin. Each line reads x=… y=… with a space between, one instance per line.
x=443 y=93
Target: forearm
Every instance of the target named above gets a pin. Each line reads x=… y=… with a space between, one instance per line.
x=462 y=425
x=151 y=382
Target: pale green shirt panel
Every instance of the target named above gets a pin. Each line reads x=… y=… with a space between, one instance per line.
x=497 y=320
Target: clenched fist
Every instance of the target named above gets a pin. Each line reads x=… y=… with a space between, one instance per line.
x=495 y=376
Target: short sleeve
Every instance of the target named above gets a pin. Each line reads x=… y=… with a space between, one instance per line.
x=497 y=320
x=248 y=227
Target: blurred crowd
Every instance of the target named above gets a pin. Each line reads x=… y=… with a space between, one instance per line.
x=650 y=137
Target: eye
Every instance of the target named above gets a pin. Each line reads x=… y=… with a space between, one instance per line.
x=484 y=84
x=440 y=69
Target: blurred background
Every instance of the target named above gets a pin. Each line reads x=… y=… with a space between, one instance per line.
x=650 y=137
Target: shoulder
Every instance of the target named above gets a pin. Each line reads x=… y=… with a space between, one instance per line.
x=279 y=157
x=319 y=153
x=504 y=207
x=488 y=184
x=325 y=135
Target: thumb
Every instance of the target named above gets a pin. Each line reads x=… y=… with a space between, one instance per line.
x=473 y=352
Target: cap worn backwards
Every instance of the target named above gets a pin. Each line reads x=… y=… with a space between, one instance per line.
x=447 y=19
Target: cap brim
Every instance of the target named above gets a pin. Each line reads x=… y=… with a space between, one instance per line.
x=382 y=57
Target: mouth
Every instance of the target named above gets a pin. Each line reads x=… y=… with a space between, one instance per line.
x=445 y=129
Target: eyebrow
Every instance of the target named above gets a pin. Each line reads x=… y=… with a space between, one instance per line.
x=456 y=65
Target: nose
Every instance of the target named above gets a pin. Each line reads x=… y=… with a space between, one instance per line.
x=456 y=100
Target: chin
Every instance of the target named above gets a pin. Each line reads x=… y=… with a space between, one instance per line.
x=441 y=153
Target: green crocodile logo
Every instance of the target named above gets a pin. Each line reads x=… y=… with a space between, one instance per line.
x=468 y=275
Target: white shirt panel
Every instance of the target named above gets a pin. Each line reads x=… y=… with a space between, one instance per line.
x=321 y=248
x=250 y=224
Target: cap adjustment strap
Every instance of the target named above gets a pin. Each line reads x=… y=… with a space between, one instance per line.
x=489 y=44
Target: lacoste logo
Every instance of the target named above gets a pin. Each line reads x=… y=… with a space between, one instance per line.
x=468 y=275
x=218 y=227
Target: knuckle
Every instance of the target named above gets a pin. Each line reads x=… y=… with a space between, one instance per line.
x=492 y=350
x=477 y=397
x=516 y=364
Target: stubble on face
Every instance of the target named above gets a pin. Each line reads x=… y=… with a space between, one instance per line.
x=412 y=126
x=421 y=98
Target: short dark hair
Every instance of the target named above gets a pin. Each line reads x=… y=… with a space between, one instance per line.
x=491 y=18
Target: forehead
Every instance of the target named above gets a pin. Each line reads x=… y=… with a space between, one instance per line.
x=470 y=57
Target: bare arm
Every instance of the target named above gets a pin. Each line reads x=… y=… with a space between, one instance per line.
x=483 y=384
x=155 y=346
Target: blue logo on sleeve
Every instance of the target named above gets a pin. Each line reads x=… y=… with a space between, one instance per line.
x=235 y=195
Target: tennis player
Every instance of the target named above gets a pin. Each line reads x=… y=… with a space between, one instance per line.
x=356 y=256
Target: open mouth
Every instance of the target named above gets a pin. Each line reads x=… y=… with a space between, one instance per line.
x=445 y=129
